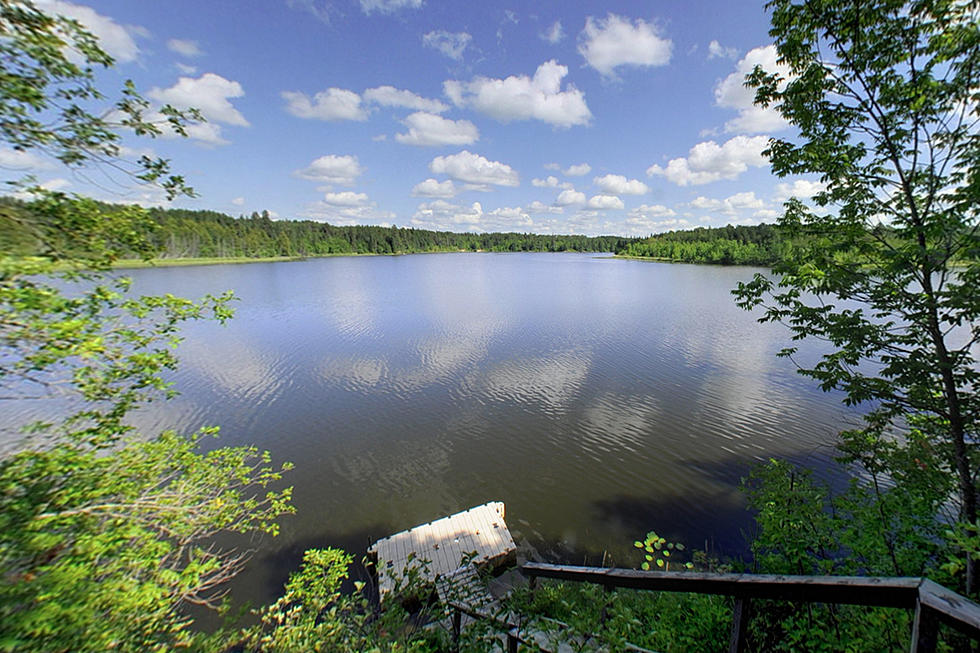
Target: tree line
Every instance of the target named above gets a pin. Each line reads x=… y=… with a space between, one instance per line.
x=731 y=245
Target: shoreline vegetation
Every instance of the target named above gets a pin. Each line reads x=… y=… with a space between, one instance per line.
x=192 y=237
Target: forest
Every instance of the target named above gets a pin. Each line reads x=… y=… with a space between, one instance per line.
x=731 y=245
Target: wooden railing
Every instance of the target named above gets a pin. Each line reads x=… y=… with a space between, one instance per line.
x=933 y=604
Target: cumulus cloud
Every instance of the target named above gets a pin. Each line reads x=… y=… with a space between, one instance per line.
x=746 y=200
x=475 y=169
x=11 y=159
x=451 y=44
x=717 y=51
x=732 y=206
x=115 y=39
x=443 y=215
x=209 y=93
x=440 y=214
x=344 y=104
x=641 y=225
x=604 y=202
x=620 y=185
x=388 y=6
x=367 y=213
x=731 y=93
x=613 y=41
x=389 y=96
x=800 y=188
x=185 y=48
x=332 y=169
x=238 y=201
x=550 y=181
x=707 y=162
x=331 y=104
x=346 y=198
x=553 y=34
x=578 y=170
x=569 y=197
x=520 y=97
x=433 y=188
x=705 y=203
x=540 y=207
x=649 y=211
x=428 y=129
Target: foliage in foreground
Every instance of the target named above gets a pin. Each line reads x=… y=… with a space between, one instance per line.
x=884 y=96
x=106 y=535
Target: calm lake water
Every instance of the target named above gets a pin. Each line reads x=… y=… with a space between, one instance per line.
x=599 y=398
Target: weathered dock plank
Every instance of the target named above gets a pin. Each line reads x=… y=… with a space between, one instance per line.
x=440 y=546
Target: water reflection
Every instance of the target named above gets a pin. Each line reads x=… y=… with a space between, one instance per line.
x=597 y=398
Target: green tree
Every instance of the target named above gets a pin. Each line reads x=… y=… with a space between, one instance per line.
x=884 y=97
x=105 y=534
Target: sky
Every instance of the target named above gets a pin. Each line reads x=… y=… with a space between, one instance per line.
x=613 y=118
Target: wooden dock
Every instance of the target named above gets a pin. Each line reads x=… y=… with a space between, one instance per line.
x=439 y=548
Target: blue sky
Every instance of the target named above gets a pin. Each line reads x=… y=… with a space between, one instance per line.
x=620 y=118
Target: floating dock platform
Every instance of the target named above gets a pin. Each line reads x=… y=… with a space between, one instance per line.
x=438 y=549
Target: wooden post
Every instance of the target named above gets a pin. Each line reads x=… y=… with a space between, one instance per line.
x=925 y=629
x=511 y=642
x=740 y=626
x=606 y=595
x=457 y=627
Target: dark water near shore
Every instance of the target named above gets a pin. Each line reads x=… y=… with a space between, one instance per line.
x=598 y=398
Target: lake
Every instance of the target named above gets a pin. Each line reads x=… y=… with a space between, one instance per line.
x=598 y=398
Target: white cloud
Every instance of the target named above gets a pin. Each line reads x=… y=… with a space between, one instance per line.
x=801 y=188
x=732 y=206
x=641 y=225
x=706 y=204
x=346 y=198
x=717 y=51
x=475 y=169
x=332 y=169
x=238 y=201
x=388 y=6
x=569 y=197
x=553 y=34
x=205 y=132
x=731 y=93
x=331 y=104
x=707 y=162
x=552 y=166
x=766 y=214
x=541 y=207
x=341 y=214
x=620 y=185
x=427 y=129
x=389 y=96
x=578 y=170
x=185 y=69
x=209 y=93
x=520 y=97
x=446 y=216
x=442 y=215
x=451 y=44
x=11 y=159
x=746 y=200
x=550 y=181
x=603 y=202
x=648 y=211
x=433 y=188
x=615 y=41
x=185 y=48
x=113 y=37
